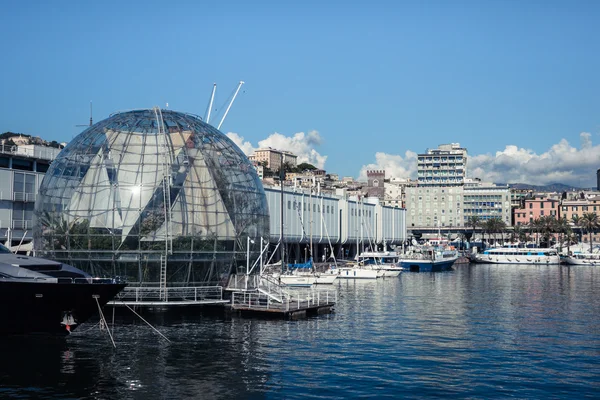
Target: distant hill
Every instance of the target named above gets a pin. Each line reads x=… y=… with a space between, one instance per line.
x=552 y=187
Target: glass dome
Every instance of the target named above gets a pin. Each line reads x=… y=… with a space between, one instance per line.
x=147 y=188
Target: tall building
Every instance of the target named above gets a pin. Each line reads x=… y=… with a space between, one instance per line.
x=444 y=197
x=598 y=180
x=444 y=166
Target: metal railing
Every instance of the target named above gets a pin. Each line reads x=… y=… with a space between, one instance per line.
x=38 y=151
x=298 y=299
x=196 y=294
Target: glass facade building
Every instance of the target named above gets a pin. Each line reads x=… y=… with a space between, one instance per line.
x=154 y=196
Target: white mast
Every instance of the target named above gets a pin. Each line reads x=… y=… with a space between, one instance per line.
x=210 y=103
x=230 y=103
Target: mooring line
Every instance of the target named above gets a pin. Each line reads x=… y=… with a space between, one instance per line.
x=105 y=323
x=150 y=325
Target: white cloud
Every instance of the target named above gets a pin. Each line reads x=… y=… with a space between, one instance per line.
x=246 y=147
x=561 y=163
x=301 y=144
x=394 y=165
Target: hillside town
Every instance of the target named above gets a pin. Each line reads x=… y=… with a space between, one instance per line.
x=443 y=198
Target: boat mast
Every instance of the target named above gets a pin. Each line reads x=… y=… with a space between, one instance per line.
x=281 y=249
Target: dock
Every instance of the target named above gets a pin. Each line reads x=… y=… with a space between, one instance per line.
x=273 y=301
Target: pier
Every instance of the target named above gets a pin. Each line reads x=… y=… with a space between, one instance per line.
x=302 y=305
x=262 y=296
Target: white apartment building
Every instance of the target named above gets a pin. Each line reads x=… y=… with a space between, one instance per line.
x=444 y=166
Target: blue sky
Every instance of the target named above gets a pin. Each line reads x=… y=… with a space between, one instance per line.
x=375 y=82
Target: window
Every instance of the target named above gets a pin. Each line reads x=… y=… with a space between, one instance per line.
x=25 y=165
x=24 y=183
x=289 y=204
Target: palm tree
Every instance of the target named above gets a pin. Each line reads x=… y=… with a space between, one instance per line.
x=547 y=227
x=576 y=221
x=562 y=228
x=518 y=234
x=535 y=227
x=473 y=222
x=494 y=225
x=590 y=222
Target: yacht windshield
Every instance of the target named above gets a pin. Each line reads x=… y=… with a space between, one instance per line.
x=4 y=249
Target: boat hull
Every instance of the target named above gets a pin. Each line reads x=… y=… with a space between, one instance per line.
x=297 y=281
x=426 y=265
x=40 y=308
x=325 y=279
x=501 y=259
x=357 y=273
x=584 y=261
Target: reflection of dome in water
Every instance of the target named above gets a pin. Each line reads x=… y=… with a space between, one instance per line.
x=150 y=183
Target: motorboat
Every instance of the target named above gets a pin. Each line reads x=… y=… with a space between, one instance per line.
x=428 y=259
x=517 y=255
x=39 y=296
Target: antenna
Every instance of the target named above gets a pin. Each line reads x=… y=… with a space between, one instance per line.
x=91 y=120
x=230 y=103
x=210 y=103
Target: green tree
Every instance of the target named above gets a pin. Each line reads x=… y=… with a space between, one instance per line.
x=577 y=222
x=563 y=228
x=304 y=166
x=473 y=223
x=590 y=222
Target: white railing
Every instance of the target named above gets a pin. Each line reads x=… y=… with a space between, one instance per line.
x=34 y=151
x=298 y=299
x=171 y=294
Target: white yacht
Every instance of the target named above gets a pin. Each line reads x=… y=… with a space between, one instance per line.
x=517 y=255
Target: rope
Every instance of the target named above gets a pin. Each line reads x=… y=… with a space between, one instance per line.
x=102 y=319
x=156 y=330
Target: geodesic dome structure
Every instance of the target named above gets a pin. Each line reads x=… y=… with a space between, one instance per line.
x=147 y=187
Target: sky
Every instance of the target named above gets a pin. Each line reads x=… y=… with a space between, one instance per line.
x=347 y=85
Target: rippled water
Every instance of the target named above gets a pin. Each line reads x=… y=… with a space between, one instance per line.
x=480 y=331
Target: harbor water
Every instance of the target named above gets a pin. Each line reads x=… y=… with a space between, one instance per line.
x=480 y=331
